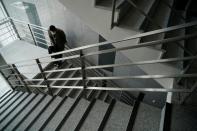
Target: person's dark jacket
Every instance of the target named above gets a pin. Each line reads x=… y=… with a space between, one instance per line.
x=58 y=40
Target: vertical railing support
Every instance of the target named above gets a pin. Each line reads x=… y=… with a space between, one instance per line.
x=32 y=34
x=83 y=71
x=44 y=76
x=9 y=83
x=20 y=77
x=113 y=13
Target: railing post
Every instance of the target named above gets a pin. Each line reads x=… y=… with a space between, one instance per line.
x=113 y=13
x=32 y=34
x=83 y=71
x=9 y=83
x=20 y=77
x=44 y=76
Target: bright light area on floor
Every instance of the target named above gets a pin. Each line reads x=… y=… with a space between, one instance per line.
x=3 y=86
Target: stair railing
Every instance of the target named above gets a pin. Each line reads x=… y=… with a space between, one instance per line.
x=83 y=55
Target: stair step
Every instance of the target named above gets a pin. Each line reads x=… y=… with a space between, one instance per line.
x=13 y=106
x=74 y=92
x=108 y=99
x=67 y=74
x=59 y=115
x=55 y=75
x=10 y=102
x=74 y=118
x=28 y=109
x=103 y=95
x=172 y=50
x=7 y=99
x=5 y=94
x=119 y=117
x=16 y=112
x=3 y=98
x=104 y=3
x=93 y=95
x=161 y=17
x=45 y=115
x=61 y=75
x=107 y=4
x=148 y=118
x=34 y=114
x=95 y=117
x=134 y=19
x=65 y=92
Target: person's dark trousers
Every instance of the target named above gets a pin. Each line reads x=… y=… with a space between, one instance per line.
x=51 y=50
x=59 y=63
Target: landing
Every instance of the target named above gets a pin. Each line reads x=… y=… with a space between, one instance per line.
x=19 y=51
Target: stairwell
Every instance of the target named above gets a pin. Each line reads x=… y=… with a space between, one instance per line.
x=97 y=15
x=88 y=110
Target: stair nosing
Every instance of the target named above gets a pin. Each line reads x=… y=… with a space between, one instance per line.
x=16 y=115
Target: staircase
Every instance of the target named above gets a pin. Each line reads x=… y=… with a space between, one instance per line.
x=29 y=111
x=71 y=92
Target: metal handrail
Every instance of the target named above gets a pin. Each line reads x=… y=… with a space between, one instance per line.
x=118 y=41
x=116 y=88
x=81 y=56
x=126 y=64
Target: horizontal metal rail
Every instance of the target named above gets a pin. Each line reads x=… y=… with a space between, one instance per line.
x=25 y=23
x=4 y=22
x=121 y=77
x=46 y=36
x=7 y=37
x=115 y=65
x=116 y=88
x=6 y=26
x=4 y=33
x=172 y=28
x=145 y=44
x=30 y=38
x=126 y=64
x=28 y=34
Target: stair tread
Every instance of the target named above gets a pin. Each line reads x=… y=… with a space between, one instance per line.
x=25 y=112
x=17 y=110
x=5 y=95
x=15 y=104
x=135 y=19
x=161 y=17
x=119 y=117
x=8 y=98
x=10 y=102
x=148 y=118
x=95 y=117
x=45 y=115
x=76 y=115
x=34 y=114
x=58 y=117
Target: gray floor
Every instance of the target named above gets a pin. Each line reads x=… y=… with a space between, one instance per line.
x=20 y=51
x=4 y=86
